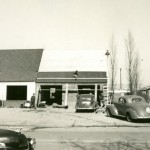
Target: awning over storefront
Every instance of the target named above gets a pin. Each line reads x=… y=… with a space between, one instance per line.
x=68 y=77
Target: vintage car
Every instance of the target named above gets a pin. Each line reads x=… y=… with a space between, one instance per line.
x=131 y=107
x=86 y=102
x=15 y=140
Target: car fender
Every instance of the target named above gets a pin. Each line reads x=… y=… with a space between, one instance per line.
x=113 y=109
x=132 y=112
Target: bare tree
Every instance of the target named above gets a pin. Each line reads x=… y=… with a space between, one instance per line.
x=136 y=70
x=113 y=65
x=132 y=64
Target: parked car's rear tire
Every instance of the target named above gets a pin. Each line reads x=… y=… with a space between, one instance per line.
x=108 y=113
x=128 y=117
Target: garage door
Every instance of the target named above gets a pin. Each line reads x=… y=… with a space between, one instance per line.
x=16 y=92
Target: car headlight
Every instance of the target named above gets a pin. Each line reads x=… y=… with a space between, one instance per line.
x=148 y=110
x=32 y=143
x=2 y=145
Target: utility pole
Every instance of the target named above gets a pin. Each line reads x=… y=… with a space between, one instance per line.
x=120 y=79
x=107 y=55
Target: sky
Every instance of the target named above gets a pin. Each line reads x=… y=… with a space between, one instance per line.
x=77 y=25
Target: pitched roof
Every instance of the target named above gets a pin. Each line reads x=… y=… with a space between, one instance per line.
x=71 y=60
x=19 y=65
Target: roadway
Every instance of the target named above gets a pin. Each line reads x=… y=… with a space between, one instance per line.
x=63 y=129
x=91 y=138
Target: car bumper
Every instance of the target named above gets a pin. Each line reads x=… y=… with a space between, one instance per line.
x=85 y=108
x=143 y=117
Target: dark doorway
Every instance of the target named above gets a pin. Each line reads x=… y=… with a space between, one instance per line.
x=51 y=94
x=16 y=92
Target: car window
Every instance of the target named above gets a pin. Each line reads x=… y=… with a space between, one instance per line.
x=121 y=100
x=85 y=98
x=137 y=100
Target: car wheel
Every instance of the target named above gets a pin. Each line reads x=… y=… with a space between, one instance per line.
x=128 y=117
x=108 y=113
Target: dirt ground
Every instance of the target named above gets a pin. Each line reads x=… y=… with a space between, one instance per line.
x=50 y=117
